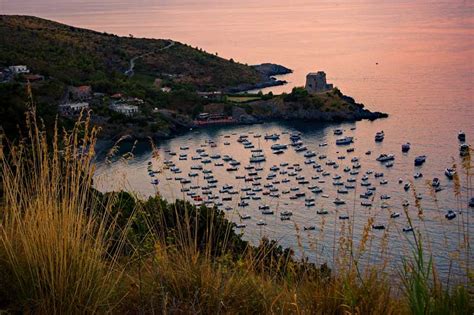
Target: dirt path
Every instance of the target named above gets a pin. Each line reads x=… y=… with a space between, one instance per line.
x=130 y=71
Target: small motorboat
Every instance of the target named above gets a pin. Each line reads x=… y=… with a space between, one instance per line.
x=450 y=215
x=368 y=152
x=285 y=218
x=461 y=136
x=385 y=157
x=464 y=150
x=435 y=182
x=379 y=136
x=395 y=215
x=339 y=201
x=406 y=147
x=345 y=141
x=419 y=160
x=408 y=229
x=322 y=211
x=261 y=223
x=245 y=216
x=406 y=186
x=309 y=228
x=378 y=226
x=344 y=217
x=241 y=225
x=418 y=175
x=450 y=172
x=286 y=213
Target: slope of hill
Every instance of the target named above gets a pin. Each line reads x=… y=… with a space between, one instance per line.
x=80 y=56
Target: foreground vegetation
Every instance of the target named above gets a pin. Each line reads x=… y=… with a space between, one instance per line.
x=66 y=248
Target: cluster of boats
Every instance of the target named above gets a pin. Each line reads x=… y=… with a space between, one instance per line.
x=288 y=184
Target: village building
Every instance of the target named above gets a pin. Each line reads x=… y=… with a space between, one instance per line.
x=71 y=109
x=125 y=109
x=20 y=69
x=82 y=92
x=316 y=82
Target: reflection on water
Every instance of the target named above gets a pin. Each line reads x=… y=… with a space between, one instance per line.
x=442 y=234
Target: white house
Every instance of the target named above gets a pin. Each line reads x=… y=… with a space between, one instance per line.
x=18 y=69
x=126 y=109
x=73 y=108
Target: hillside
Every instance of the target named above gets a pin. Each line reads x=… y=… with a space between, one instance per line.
x=80 y=56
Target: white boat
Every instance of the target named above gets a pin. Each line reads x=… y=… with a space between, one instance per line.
x=257 y=158
x=395 y=215
x=450 y=215
x=418 y=175
x=309 y=154
x=450 y=172
x=339 y=201
x=273 y=136
x=261 y=223
x=338 y=132
x=345 y=140
x=385 y=157
x=279 y=146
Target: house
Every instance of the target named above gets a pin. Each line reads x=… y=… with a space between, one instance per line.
x=70 y=109
x=215 y=95
x=316 y=82
x=20 y=69
x=82 y=92
x=123 y=108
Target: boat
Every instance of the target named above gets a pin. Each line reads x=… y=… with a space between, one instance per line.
x=339 y=201
x=385 y=157
x=301 y=148
x=395 y=215
x=310 y=204
x=267 y=212
x=406 y=186
x=322 y=211
x=309 y=154
x=450 y=172
x=407 y=229
x=245 y=216
x=257 y=158
x=406 y=147
x=279 y=146
x=345 y=140
x=366 y=203
x=350 y=150
x=338 y=132
x=378 y=226
x=261 y=223
x=461 y=136
x=418 y=175
x=464 y=150
x=450 y=215
x=278 y=152
x=379 y=136
x=385 y=197
x=285 y=218
x=273 y=136
x=344 y=217
x=368 y=152
x=309 y=228
x=471 y=202
x=286 y=213
x=419 y=160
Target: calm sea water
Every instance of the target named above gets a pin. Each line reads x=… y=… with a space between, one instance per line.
x=413 y=60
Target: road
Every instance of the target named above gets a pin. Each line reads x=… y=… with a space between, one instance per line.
x=130 y=71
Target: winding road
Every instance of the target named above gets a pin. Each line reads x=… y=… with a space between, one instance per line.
x=130 y=71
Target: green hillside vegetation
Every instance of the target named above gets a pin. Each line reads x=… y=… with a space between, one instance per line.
x=78 y=56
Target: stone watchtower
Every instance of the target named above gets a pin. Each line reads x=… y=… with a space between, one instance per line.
x=316 y=82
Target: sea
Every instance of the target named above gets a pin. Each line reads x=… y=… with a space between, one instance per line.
x=411 y=59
